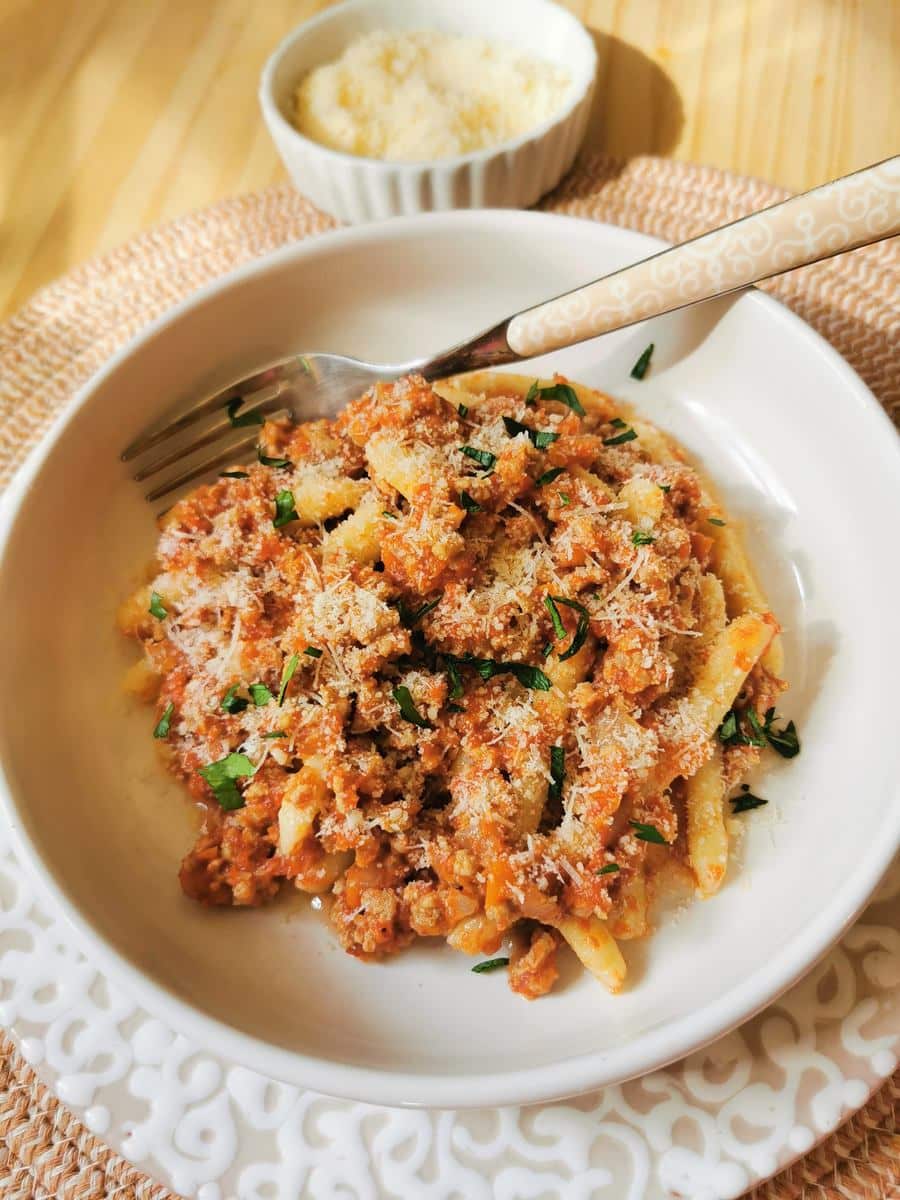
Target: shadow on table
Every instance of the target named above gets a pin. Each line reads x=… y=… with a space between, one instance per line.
x=637 y=108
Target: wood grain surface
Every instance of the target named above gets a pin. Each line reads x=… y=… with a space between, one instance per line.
x=117 y=114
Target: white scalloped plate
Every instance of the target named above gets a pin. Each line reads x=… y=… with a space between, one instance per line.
x=755 y=394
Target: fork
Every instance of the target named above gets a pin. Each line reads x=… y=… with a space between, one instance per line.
x=853 y=211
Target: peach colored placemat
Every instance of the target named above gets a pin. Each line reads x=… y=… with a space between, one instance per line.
x=71 y=327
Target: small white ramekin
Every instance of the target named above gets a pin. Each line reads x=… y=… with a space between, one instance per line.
x=511 y=175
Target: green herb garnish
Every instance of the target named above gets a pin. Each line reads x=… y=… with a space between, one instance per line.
x=157 y=607
x=619 y=439
x=463 y=410
x=664 y=487
x=549 y=476
x=532 y=394
x=386 y=512
x=221 y=778
x=558 y=628
x=279 y=463
x=490 y=964
x=783 y=741
x=455 y=708
x=470 y=505
x=260 y=694
x=746 y=801
x=563 y=393
x=161 y=729
x=250 y=418
x=618 y=423
x=286 y=676
x=456 y=687
x=539 y=438
x=484 y=458
x=285 y=512
x=487 y=668
x=639 y=370
x=647 y=833
x=407 y=707
x=412 y=616
x=233 y=703
x=716 y=521
x=233 y=475
x=276 y=733
x=313 y=652
x=557 y=772
x=640 y=538
x=565 y=498
x=581 y=630
x=609 y=869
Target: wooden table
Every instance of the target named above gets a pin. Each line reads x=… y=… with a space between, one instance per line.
x=117 y=114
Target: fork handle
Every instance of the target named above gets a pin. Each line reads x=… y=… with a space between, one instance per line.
x=853 y=211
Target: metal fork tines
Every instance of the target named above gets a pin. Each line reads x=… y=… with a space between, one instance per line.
x=305 y=387
x=229 y=419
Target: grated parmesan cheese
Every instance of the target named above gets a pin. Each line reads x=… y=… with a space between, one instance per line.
x=404 y=97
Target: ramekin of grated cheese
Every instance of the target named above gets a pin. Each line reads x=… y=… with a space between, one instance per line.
x=384 y=108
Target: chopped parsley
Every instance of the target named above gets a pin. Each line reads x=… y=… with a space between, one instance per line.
x=647 y=833
x=285 y=512
x=233 y=475
x=640 y=538
x=276 y=733
x=412 y=616
x=487 y=668
x=618 y=423
x=463 y=410
x=557 y=772
x=558 y=628
x=627 y=435
x=233 y=703
x=161 y=729
x=455 y=708
x=563 y=392
x=279 y=463
x=716 y=521
x=539 y=438
x=221 y=778
x=260 y=694
x=639 y=370
x=286 y=676
x=581 y=630
x=484 y=458
x=470 y=505
x=313 y=652
x=609 y=869
x=745 y=800
x=386 y=512
x=456 y=687
x=157 y=608
x=565 y=498
x=664 y=487
x=549 y=476
x=490 y=964
x=250 y=418
x=407 y=707
x=783 y=741
x=532 y=394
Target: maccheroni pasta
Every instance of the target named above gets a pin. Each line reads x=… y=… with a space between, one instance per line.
x=478 y=660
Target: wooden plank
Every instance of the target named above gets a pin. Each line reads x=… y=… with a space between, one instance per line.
x=116 y=114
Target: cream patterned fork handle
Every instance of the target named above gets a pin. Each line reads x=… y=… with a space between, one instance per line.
x=853 y=211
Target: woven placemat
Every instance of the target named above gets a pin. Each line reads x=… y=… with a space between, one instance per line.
x=71 y=327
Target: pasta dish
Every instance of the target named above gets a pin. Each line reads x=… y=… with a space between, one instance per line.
x=479 y=660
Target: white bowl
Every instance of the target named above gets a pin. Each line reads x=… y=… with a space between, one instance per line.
x=798 y=447
x=513 y=174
